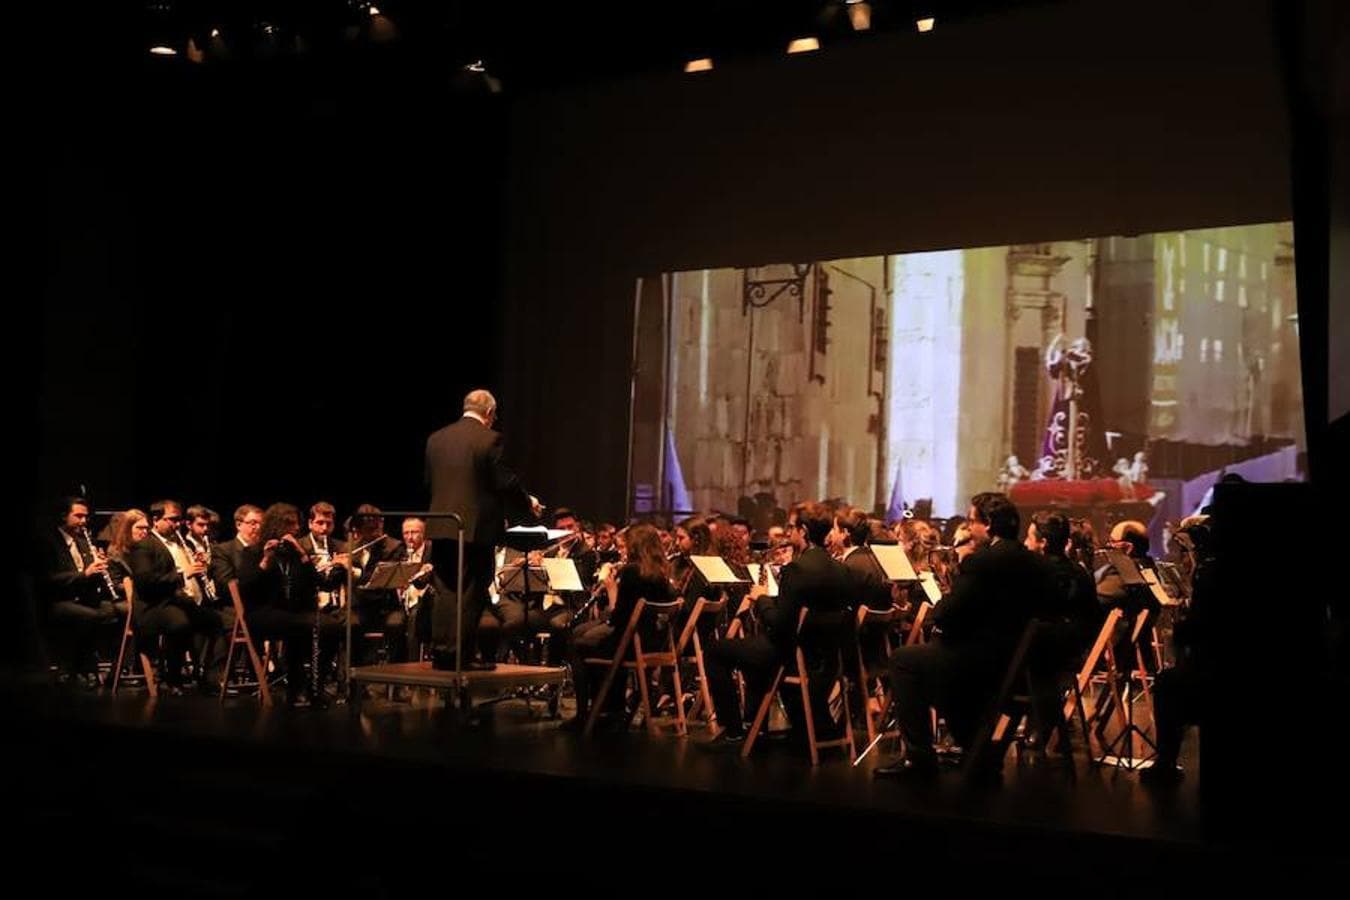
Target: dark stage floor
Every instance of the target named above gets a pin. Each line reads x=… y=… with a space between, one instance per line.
x=196 y=797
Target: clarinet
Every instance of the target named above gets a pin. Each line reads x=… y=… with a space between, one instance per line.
x=107 y=576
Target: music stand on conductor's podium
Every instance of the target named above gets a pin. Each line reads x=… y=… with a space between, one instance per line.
x=457 y=682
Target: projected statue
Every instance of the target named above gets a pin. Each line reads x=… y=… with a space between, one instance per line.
x=1070 y=447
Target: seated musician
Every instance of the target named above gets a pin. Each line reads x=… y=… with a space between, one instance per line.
x=71 y=582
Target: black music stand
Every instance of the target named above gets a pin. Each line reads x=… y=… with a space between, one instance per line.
x=459 y=590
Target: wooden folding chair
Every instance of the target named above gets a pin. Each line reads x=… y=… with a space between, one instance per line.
x=871 y=685
x=239 y=634
x=802 y=680
x=642 y=665
x=689 y=648
x=147 y=672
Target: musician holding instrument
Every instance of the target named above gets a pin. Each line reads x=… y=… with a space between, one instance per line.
x=376 y=610
x=169 y=579
x=646 y=576
x=72 y=580
x=279 y=587
x=419 y=597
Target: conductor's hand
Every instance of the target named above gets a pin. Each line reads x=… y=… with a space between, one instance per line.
x=536 y=507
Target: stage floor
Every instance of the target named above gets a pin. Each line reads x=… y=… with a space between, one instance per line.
x=515 y=782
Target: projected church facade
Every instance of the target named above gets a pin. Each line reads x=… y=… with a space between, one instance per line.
x=898 y=378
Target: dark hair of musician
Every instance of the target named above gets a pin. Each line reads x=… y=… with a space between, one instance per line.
x=197 y=511
x=67 y=504
x=998 y=513
x=322 y=508
x=1053 y=528
x=880 y=533
x=817 y=519
x=366 y=513
x=644 y=551
x=279 y=519
x=858 y=526
x=244 y=511
x=121 y=537
x=561 y=513
x=731 y=546
x=700 y=535
x=160 y=508
x=1082 y=542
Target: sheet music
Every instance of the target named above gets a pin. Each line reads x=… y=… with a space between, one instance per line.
x=1156 y=587
x=894 y=562
x=562 y=575
x=930 y=587
x=715 y=570
x=769 y=581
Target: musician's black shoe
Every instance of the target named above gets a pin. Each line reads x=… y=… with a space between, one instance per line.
x=908 y=770
x=726 y=740
x=1165 y=776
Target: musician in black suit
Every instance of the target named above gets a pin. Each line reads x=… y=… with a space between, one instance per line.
x=279 y=586
x=168 y=579
x=330 y=556
x=871 y=589
x=376 y=609
x=1001 y=587
x=1071 y=619
x=466 y=475
x=72 y=584
x=814 y=581
x=225 y=557
x=419 y=598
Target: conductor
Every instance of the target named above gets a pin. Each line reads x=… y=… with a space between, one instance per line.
x=465 y=475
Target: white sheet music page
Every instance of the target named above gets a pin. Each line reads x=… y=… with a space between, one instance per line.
x=930 y=587
x=894 y=562
x=715 y=570
x=562 y=575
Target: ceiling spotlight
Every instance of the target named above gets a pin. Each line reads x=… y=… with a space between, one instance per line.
x=803 y=45
x=162 y=50
x=926 y=25
x=699 y=65
x=374 y=10
x=215 y=32
x=476 y=66
x=860 y=14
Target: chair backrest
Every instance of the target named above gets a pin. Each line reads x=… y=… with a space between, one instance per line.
x=702 y=607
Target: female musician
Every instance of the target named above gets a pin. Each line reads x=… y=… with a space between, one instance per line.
x=646 y=576
x=279 y=586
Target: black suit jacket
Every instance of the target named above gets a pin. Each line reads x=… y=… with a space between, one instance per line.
x=336 y=575
x=814 y=581
x=870 y=587
x=465 y=475
x=154 y=572
x=225 y=565
x=61 y=580
x=1000 y=588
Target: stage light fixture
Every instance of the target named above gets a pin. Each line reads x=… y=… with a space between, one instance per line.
x=926 y=25
x=163 y=50
x=803 y=45
x=699 y=65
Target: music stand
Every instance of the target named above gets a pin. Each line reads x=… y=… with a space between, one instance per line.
x=391 y=576
x=527 y=540
x=459 y=590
